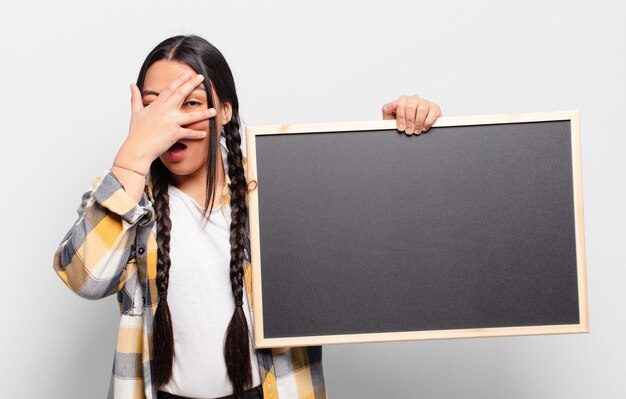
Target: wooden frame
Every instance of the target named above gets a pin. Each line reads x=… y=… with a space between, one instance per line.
x=263 y=342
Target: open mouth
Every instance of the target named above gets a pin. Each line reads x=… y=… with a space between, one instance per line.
x=177 y=151
x=177 y=147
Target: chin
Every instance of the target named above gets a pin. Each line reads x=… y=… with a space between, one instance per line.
x=182 y=168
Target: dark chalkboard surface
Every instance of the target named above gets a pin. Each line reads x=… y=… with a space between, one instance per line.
x=360 y=233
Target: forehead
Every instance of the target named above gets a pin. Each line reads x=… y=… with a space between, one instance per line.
x=163 y=72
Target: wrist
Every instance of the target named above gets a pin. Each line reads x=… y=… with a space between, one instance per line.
x=132 y=160
x=116 y=167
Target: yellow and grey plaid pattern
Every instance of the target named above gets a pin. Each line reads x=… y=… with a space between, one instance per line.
x=111 y=249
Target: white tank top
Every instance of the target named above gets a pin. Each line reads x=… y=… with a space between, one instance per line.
x=201 y=300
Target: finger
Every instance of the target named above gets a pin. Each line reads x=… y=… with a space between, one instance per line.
x=433 y=114
x=190 y=134
x=173 y=85
x=183 y=91
x=191 y=117
x=136 y=102
x=409 y=114
x=420 y=117
x=400 y=118
x=389 y=110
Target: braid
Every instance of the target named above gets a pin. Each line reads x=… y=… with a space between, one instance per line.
x=236 y=344
x=204 y=58
x=163 y=333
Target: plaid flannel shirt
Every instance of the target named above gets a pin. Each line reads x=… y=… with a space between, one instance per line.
x=111 y=249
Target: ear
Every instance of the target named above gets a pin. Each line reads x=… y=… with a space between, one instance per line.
x=227 y=112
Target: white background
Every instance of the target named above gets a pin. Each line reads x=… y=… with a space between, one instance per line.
x=66 y=69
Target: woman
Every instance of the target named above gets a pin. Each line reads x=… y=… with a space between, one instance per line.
x=185 y=331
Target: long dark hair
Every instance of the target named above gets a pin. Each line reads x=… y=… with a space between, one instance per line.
x=203 y=58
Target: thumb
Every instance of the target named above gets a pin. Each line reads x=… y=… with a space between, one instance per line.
x=136 y=103
x=389 y=110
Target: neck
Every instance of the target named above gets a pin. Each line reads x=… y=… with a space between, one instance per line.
x=194 y=184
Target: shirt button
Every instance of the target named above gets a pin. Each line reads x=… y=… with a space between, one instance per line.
x=141 y=250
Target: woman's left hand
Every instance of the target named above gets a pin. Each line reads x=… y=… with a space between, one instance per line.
x=413 y=114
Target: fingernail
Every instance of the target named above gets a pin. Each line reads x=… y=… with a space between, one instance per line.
x=409 y=130
x=401 y=126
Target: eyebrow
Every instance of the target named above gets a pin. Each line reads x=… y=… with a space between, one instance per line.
x=156 y=93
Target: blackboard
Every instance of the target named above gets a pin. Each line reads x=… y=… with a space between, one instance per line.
x=361 y=233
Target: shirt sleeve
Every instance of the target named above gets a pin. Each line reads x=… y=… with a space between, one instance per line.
x=92 y=256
